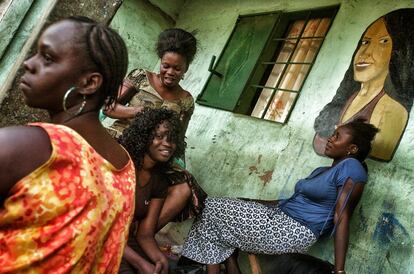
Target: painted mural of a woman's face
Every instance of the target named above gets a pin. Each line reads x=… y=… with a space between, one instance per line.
x=377 y=85
x=373 y=56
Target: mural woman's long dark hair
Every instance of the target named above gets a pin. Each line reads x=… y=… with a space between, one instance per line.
x=399 y=83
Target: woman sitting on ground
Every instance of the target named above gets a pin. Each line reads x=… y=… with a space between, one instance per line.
x=322 y=203
x=153 y=139
x=176 y=49
x=67 y=187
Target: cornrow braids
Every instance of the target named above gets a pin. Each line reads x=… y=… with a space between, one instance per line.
x=137 y=138
x=108 y=55
x=177 y=41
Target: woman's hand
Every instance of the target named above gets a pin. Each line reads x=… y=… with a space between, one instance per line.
x=140 y=263
x=158 y=267
x=148 y=268
x=162 y=265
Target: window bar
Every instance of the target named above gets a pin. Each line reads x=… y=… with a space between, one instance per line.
x=285 y=68
x=282 y=89
x=310 y=68
x=296 y=38
x=288 y=63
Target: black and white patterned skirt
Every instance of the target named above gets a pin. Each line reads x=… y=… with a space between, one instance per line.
x=226 y=224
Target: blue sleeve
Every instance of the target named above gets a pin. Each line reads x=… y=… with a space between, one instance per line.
x=350 y=168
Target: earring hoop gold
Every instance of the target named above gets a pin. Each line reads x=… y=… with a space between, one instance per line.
x=64 y=103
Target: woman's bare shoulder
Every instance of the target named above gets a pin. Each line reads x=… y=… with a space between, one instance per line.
x=23 y=149
x=24 y=138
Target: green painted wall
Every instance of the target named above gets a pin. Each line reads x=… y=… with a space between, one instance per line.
x=171 y=7
x=236 y=155
x=139 y=23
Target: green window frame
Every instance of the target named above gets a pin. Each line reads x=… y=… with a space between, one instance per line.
x=239 y=77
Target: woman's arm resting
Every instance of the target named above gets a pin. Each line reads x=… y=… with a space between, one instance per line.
x=122 y=112
x=146 y=233
x=342 y=220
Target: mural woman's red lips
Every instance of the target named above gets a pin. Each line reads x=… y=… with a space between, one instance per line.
x=363 y=64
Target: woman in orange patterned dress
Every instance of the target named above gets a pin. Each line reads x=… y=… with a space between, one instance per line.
x=67 y=188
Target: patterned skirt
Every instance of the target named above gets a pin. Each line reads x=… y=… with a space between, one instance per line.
x=226 y=224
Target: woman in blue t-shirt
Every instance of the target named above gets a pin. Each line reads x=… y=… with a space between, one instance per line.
x=322 y=203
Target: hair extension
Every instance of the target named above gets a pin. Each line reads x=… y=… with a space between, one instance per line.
x=107 y=53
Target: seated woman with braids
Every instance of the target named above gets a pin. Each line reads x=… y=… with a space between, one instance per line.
x=176 y=49
x=322 y=203
x=67 y=187
x=153 y=139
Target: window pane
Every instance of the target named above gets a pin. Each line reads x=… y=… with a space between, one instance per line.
x=305 y=53
x=291 y=76
x=307 y=48
x=280 y=106
x=294 y=77
x=261 y=104
x=287 y=49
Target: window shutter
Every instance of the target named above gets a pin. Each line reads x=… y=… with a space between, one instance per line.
x=237 y=61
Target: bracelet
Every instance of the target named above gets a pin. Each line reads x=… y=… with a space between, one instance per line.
x=338 y=272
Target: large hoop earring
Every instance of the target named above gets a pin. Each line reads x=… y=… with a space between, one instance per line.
x=66 y=97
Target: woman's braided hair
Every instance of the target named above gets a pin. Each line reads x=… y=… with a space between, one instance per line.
x=107 y=54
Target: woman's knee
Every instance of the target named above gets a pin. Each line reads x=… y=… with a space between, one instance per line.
x=180 y=190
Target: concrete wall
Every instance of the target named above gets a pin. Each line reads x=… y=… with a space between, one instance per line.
x=236 y=155
x=139 y=22
x=170 y=7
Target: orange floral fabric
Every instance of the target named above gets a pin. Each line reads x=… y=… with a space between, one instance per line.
x=70 y=215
